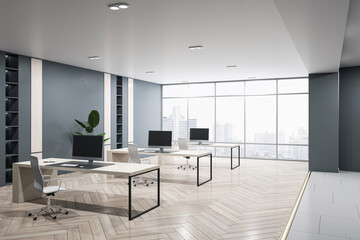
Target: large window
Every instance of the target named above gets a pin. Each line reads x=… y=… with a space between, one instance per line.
x=269 y=118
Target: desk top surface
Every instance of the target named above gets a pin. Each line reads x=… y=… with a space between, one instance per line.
x=178 y=153
x=118 y=168
x=226 y=145
x=210 y=144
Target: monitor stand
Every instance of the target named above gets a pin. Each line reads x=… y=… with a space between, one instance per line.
x=161 y=150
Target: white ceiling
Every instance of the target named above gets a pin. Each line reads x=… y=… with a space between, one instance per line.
x=264 y=38
x=351 y=50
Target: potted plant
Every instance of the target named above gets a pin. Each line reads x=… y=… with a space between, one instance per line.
x=92 y=122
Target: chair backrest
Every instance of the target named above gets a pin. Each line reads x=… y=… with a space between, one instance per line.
x=38 y=177
x=183 y=144
x=134 y=154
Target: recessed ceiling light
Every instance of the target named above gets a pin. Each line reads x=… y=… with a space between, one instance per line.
x=231 y=66
x=113 y=7
x=198 y=47
x=150 y=72
x=94 y=57
x=117 y=6
x=123 y=5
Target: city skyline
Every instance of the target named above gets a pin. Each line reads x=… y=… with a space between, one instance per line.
x=177 y=122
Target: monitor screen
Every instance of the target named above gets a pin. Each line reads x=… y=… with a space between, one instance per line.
x=160 y=138
x=199 y=134
x=88 y=147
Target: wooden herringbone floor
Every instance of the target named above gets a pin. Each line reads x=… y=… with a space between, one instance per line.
x=250 y=202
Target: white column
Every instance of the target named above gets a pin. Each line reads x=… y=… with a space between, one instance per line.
x=131 y=110
x=107 y=112
x=36 y=107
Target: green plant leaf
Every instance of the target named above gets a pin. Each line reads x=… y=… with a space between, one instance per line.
x=94 y=118
x=101 y=134
x=106 y=139
x=79 y=133
x=87 y=124
x=80 y=123
x=89 y=129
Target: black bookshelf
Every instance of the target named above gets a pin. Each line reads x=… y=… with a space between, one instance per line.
x=11 y=114
x=119 y=116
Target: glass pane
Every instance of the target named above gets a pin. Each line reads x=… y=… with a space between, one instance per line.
x=175 y=90
x=261 y=119
x=230 y=88
x=225 y=152
x=293 y=86
x=201 y=114
x=203 y=89
x=175 y=117
x=293 y=152
x=293 y=119
x=260 y=87
x=261 y=151
x=230 y=119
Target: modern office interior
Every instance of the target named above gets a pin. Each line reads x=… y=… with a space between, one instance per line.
x=165 y=119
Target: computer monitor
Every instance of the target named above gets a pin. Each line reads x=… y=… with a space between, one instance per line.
x=160 y=139
x=199 y=134
x=88 y=148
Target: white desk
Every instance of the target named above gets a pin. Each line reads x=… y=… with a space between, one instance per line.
x=122 y=155
x=23 y=178
x=222 y=145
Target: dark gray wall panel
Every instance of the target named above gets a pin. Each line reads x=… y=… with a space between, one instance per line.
x=68 y=93
x=350 y=119
x=113 y=112
x=24 y=108
x=125 y=111
x=2 y=119
x=324 y=122
x=147 y=110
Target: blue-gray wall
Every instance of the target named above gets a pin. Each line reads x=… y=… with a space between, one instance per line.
x=350 y=119
x=324 y=122
x=147 y=110
x=125 y=111
x=68 y=93
x=24 y=108
x=113 y=112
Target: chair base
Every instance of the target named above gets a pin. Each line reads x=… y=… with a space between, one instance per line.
x=48 y=209
x=142 y=181
x=187 y=166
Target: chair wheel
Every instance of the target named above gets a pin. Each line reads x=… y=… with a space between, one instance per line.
x=189 y=166
x=34 y=218
x=66 y=212
x=152 y=182
x=147 y=184
x=54 y=217
x=178 y=167
x=193 y=168
x=29 y=214
x=134 y=185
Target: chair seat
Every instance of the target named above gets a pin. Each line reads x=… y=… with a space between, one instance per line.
x=52 y=189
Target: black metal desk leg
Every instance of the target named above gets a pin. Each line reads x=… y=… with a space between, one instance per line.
x=198 y=170
x=231 y=158
x=158 y=194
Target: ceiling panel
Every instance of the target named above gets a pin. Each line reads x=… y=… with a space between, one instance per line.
x=259 y=36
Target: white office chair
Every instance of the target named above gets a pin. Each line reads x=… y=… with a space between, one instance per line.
x=183 y=146
x=39 y=185
x=135 y=158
